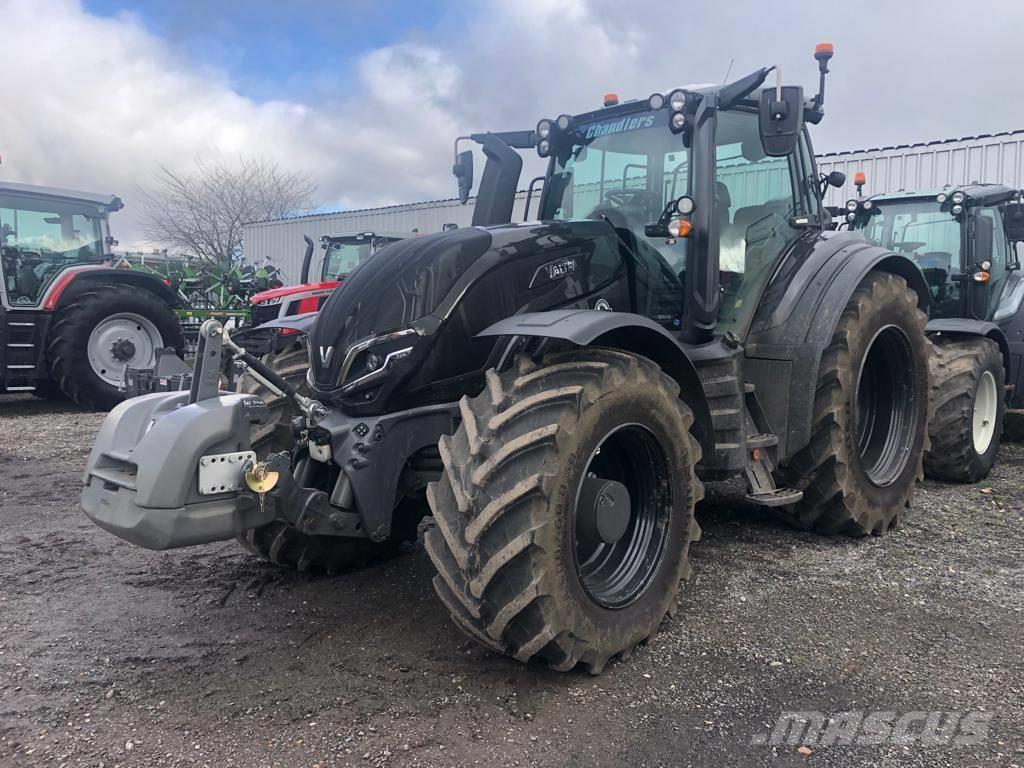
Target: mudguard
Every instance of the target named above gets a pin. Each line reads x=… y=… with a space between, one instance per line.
x=798 y=314
x=961 y=327
x=620 y=330
x=141 y=479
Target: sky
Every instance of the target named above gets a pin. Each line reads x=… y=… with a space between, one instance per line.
x=367 y=96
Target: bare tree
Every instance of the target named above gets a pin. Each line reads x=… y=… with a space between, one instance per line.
x=202 y=212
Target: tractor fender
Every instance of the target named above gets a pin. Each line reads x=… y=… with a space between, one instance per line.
x=961 y=327
x=75 y=280
x=627 y=332
x=797 y=315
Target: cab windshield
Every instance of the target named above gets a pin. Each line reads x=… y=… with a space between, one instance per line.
x=344 y=255
x=39 y=238
x=625 y=170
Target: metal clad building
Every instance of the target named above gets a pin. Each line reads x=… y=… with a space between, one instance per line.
x=996 y=158
x=280 y=241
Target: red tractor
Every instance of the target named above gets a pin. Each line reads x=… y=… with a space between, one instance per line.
x=342 y=254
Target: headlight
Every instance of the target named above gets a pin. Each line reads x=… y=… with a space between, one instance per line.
x=941 y=198
x=677 y=100
x=369 y=360
x=564 y=122
x=543 y=129
x=957 y=210
x=656 y=101
x=851 y=205
x=851 y=216
x=867 y=205
x=543 y=147
x=958 y=198
x=678 y=121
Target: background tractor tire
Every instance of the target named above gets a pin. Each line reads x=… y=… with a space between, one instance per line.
x=279 y=542
x=48 y=389
x=968 y=405
x=100 y=331
x=505 y=541
x=1013 y=425
x=870 y=419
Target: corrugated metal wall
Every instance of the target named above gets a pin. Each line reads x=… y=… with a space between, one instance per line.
x=989 y=158
x=281 y=241
x=997 y=158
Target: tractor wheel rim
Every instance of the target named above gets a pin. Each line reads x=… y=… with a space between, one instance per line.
x=615 y=574
x=122 y=340
x=885 y=409
x=986 y=406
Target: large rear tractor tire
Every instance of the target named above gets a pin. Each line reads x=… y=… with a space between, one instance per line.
x=870 y=419
x=103 y=330
x=564 y=513
x=279 y=542
x=968 y=402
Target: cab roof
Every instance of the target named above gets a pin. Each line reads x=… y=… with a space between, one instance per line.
x=977 y=194
x=108 y=203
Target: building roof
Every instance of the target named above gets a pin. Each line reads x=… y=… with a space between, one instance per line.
x=1019 y=132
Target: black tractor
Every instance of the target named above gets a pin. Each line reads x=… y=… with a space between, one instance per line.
x=964 y=239
x=556 y=391
x=70 y=321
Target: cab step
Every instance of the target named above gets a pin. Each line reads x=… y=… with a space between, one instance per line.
x=762 y=440
x=780 y=497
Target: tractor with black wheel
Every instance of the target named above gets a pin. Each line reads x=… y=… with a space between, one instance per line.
x=71 y=322
x=965 y=240
x=554 y=393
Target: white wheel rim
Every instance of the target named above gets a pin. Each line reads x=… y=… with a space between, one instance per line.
x=986 y=406
x=122 y=340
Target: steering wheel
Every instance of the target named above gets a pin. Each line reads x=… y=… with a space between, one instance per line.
x=623 y=197
x=909 y=246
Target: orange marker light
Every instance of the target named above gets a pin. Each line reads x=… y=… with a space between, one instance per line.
x=824 y=48
x=680 y=228
x=982 y=277
x=860 y=178
x=611 y=99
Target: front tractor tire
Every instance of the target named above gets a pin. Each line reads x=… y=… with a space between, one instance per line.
x=102 y=330
x=870 y=418
x=967 y=396
x=564 y=513
x=277 y=541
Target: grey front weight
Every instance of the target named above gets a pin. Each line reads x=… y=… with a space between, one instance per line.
x=142 y=479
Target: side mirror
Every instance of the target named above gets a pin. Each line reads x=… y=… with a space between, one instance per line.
x=1013 y=221
x=781 y=117
x=835 y=179
x=463 y=170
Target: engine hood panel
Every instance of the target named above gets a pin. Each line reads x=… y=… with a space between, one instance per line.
x=420 y=282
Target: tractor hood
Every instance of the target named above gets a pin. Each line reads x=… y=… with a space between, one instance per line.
x=378 y=323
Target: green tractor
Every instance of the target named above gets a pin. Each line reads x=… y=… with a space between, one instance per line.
x=965 y=240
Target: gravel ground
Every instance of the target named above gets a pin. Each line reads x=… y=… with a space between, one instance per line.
x=112 y=655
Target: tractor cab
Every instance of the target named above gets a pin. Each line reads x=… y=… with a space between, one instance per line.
x=957 y=236
x=43 y=231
